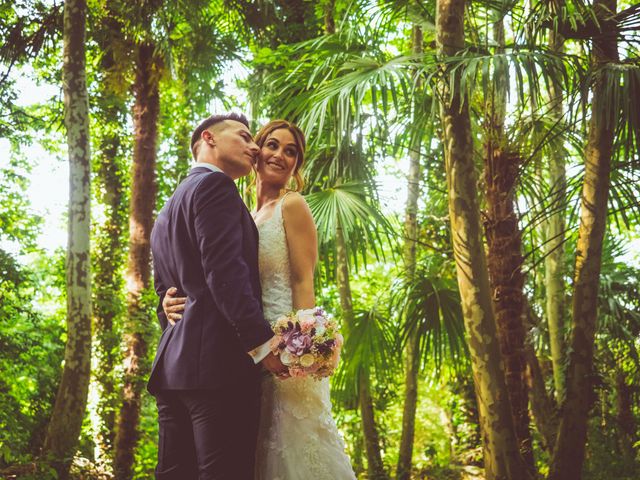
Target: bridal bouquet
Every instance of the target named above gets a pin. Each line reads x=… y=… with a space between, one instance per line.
x=308 y=342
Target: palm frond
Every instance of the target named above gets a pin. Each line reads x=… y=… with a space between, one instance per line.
x=370 y=350
x=350 y=206
x=429 y=307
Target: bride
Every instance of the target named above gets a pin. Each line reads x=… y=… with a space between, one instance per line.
x=298 y=437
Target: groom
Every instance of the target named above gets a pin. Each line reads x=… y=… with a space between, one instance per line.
x=205 y=376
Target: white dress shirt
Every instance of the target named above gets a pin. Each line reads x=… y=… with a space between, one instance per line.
x=259 y=353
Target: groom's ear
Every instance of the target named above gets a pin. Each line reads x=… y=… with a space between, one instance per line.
x=208 y=137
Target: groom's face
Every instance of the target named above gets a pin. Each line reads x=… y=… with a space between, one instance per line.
x=235 y=148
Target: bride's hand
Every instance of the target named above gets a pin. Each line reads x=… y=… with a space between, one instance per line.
x=173 y=306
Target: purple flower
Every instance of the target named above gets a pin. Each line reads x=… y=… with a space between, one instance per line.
x=298 y=343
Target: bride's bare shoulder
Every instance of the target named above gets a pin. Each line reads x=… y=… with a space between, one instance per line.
x=296 y=211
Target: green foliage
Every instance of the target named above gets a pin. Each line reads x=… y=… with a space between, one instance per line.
x=429 y=305
x=364 y=100
x=31 y=345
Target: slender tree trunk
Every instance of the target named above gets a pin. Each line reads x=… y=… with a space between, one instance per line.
x=502 y=459
x=412 y=363
x=143 y=196
x=106 y=261
x=329 y=20
x=375 y=467
x=543 y=407
x=504 y=242
x=568 y=457
x=554 y=245
x=68 y=412
x=624 y=416
x=107 y=305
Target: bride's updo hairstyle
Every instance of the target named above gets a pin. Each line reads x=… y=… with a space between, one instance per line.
x=298 y=136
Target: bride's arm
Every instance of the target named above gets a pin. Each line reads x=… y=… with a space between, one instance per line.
x=302 y=240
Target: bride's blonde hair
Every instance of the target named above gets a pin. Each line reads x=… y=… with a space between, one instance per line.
x=298 y=136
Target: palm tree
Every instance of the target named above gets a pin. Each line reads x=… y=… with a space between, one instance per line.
x=343 y=214
x=143 y=195
x=555 y=230
x=342 y=197
x=569 y=450
x=504 y=253
x=155 y=56
x=412 y=360
x=501 y=453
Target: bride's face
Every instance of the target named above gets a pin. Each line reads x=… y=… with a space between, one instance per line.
x=278 y=157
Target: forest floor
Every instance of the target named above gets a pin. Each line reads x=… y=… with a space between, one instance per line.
x=461 y=472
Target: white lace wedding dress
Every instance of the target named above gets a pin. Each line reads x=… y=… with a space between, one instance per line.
x=298 y=438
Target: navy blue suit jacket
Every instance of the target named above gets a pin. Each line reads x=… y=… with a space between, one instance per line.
x=205 y=243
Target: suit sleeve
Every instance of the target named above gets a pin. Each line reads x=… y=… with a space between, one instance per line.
x=161 y=290
x=218 y=209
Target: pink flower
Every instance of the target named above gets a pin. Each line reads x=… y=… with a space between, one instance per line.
x=298 y=343
x=306 y=324
x=297 y=372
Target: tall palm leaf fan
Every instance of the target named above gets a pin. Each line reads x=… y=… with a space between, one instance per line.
x=371 y=350
x=430 y=305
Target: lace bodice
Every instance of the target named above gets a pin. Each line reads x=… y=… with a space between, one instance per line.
x=275 y=272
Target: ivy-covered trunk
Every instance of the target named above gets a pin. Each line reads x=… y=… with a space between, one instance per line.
x=64 y=428
x=568 y=456
x=502 y=459
x=108 y=255
x=143 y=198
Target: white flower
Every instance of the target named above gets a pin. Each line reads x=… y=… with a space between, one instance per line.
x=307 y=360
x=287 y=358
x=305 y=317
x=320 y=329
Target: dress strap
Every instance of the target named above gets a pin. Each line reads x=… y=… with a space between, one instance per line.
x=280 y=202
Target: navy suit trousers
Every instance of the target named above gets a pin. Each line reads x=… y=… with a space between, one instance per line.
x=207 y=434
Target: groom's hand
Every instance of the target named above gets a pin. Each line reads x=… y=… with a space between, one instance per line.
x=173 y=306
x=272 y=363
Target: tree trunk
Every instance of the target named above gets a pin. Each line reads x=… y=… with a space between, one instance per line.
x=543 y=407
x=412 y=352
x=505 y=260
x=502 y=458
x=107 y=305
x=624 y=416
x=568 y=456
x=504 y=248
x=143 y=196
x=554 y=245
x=375 y=467
x=68 y=412
x=329 y=20
x=106 y=261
